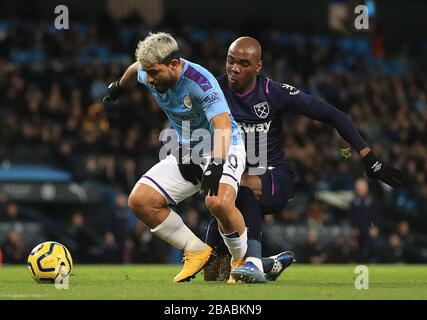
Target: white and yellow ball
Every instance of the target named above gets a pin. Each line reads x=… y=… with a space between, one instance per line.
x=49 y=259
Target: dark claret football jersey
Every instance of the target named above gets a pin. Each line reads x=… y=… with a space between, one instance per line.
x=261 y=111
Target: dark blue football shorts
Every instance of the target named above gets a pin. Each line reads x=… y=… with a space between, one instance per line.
x=277 y=188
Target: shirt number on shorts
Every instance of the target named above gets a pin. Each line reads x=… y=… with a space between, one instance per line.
x=232 y=161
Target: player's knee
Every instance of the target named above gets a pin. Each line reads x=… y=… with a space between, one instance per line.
x=135 y=204
x=213 y=203
x=219 y=206
x=140 y=204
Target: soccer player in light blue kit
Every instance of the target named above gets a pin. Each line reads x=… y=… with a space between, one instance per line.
x=192 y=99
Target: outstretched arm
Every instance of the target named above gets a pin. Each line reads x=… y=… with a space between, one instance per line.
x=128 y=80
x=322 y=111
x=301 y=103
x=376 y=168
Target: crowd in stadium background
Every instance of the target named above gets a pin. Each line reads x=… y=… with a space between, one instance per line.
x=51 y=112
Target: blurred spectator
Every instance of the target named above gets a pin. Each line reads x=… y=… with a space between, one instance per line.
x=411 y=249
x=340 y=250
x=82 y=238
x=287 y=216
x=118 y=227
x=316 y=214
x=393 y=252
x=312 y=251
x=363 y=214
x=374 y=246
x=11 y=213
x=3 y=204
x=403 y=230
x=128 y=174
x=112 y=252
x=13 y=248
x=193 y=221
x=140 y=250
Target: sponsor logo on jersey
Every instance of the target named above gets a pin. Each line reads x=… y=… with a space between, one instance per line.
x=262 y=109
x=187 y=102
x=292 y=90
x=211 y=98
x=255 y=127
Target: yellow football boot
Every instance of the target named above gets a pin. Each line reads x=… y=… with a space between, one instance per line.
x=234 y=265
x=193 y=263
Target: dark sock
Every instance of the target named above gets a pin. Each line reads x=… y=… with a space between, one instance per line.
x=254 y=249
x=267 y=264
x=249 y=207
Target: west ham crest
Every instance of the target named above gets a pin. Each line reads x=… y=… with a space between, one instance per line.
x=262 y=109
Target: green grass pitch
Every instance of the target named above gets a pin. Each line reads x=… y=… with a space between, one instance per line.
x=155 y=282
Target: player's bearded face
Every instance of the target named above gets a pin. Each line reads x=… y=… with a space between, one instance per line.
x=160 y=76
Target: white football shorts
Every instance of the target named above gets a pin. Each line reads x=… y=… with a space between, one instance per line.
x=165 y=177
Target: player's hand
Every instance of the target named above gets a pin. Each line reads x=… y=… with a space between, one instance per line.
x=191 y=172
x=114 y=92
x=211 y=177
x=377 y=169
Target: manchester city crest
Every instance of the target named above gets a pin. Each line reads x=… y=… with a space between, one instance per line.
x=262 y=109
x=187 y=102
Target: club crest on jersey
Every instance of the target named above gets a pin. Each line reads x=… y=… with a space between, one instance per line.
x=262 y=110
x=187 y=102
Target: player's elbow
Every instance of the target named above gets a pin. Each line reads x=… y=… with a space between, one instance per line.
x=221 y=121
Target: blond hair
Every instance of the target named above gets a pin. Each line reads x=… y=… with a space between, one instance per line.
x=156 y=47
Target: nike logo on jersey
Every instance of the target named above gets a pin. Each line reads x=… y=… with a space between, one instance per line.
x=258 y=127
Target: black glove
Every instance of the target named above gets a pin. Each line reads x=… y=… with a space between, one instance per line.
x=377 y=169
x=211 y=177
x=190 y=171
x=114 y=92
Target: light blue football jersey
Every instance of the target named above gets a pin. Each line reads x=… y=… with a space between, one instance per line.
x=193 y=101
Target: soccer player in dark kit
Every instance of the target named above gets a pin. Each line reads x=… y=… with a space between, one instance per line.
x=258 y=104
